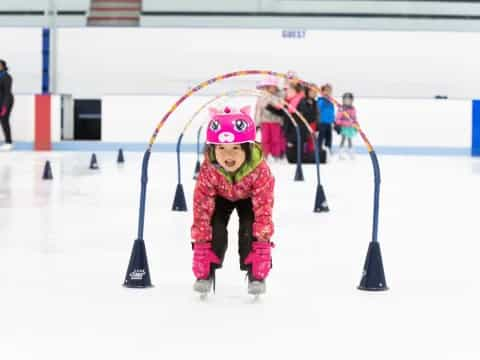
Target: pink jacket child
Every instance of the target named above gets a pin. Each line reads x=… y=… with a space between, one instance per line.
x=233 y=176
x=346 y=119
x=269 y=123
x=342 y=118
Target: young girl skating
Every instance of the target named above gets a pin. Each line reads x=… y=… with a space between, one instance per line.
x=346 y=118
x=233 y=176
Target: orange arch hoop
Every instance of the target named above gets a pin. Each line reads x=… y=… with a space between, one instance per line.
x=138 y=274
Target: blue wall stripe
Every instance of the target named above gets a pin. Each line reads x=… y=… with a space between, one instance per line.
x=191 y=147
x=45 y=60
x=476 y=128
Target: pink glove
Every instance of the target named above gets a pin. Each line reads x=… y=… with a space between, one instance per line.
x=3 y=111
x=203 y=256
x=261 y=259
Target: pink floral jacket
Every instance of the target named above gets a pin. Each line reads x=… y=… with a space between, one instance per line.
x=342 y=118
x=253 y=180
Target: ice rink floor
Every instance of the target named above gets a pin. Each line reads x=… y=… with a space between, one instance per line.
x=65 y=246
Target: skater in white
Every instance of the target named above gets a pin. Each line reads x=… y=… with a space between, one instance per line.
x=234 y=175
x=346 y=118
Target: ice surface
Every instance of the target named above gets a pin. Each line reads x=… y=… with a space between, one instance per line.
x=65 y=245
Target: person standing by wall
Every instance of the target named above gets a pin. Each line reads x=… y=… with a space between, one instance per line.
x=327 y=117
x=6 y=105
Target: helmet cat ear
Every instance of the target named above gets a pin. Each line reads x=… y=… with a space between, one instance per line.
x=213 y=111
x=246 y=110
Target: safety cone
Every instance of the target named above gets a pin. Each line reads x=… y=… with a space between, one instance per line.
x=197 y=170
x=373 y=276
x=47 y=171
x=120 y=157
x=179 y=202
x=320 y=201
x=299 y=173
x=138 y=273
x=93 y=162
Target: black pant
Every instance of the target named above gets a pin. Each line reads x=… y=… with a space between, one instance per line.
x=5 y=121
x=307 y=158
x=325 y=135
x=220 y=219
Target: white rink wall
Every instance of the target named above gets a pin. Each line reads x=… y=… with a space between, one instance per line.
x=387 y=122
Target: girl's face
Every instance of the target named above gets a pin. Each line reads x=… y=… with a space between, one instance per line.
x=271 y=89
x=327 y=91
x=290 y=92
x=312 y=93
x=230 y=156
x=347 y=102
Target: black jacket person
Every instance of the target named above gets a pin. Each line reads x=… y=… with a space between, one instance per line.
x=6 y=102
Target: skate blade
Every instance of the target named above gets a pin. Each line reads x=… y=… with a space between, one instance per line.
x=256 y=288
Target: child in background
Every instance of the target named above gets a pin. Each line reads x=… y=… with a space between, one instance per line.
x=270 y=124
x=234 y=175
x=327 y=118
x=346 y=118
x=309 y=110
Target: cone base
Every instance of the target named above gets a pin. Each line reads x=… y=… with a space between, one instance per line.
x=132 y=286
x=372 y=289
x=179 y=202
x=196 y=171
x=373 y=274
x=138 y=273
x=321 y=204
x=322 y=209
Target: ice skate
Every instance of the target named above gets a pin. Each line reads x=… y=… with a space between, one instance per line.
x=328 y=155
x=256 y=287
x=204 y=260
x=351 y=154
x=203 y=287
x=6 y=147
x=341 y=154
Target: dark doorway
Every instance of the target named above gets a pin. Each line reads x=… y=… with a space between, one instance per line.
x=88 y=119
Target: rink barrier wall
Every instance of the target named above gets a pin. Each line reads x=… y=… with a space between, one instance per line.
x=169 y=147
x=400 y=126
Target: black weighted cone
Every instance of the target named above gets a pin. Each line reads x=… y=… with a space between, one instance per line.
x=179 y=202
x=197 y=170
x=373 y=276
x=320 y=201
x=47 y=171
x=138 y=273
x=299 y=173
x=120 y=157
x=94 y=162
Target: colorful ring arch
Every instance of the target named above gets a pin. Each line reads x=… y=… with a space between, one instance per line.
x=373 y=277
